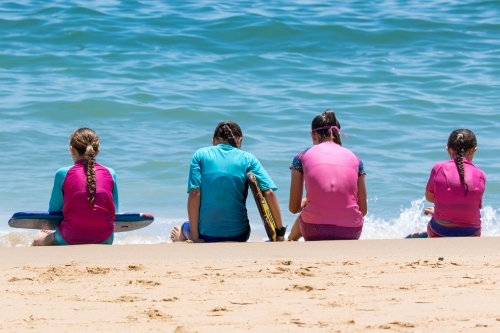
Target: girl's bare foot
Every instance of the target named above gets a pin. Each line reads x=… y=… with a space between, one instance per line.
x=176 y=235
x=44 y=238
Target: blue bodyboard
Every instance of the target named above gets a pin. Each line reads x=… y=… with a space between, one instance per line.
x=50 y=221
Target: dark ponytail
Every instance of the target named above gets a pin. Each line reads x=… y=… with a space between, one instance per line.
x=327 y=118
x=462 y=141
x=228 y=131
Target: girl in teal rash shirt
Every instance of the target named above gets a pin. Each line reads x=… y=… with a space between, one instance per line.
x=218 y=190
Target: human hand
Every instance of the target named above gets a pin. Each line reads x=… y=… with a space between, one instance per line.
x=195 y=241
x=429 y=211
x=303 y=203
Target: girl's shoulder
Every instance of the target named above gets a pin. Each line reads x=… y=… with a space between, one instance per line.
x=303 y=152
x=300 y=156
x=61 y=172
x=297 y=161
x=248 y=157
x=202 y=149
x=440 y=164
x=110 y=170
x=64 y=169
x=477 y=170
x=202 y=152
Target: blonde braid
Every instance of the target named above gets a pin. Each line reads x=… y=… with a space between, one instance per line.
x=86 y=143
x=91 y=180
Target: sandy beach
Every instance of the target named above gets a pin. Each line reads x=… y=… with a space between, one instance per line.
x=421 y=285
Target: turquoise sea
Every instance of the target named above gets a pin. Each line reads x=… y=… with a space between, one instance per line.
x=153 y=78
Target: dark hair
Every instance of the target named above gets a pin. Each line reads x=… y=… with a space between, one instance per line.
x=461 y=141
x=86 y=143
x=327 y=118
x=228 y=131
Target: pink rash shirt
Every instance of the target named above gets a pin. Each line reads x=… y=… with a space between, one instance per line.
x=331 y=180
x=451 y=204
x=83 y=224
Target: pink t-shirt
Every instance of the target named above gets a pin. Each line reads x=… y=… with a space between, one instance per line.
x=83 y=224
x=451 y=204
x=331 y=179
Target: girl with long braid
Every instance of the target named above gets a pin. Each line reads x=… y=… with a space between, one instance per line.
x=456 y=188
x=86 y=193
x=218 y=189
x=334 y=179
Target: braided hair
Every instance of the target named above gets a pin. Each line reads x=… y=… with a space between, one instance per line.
x=86 y=143
x=327 y=118
x=462 y=141
x=228 y=131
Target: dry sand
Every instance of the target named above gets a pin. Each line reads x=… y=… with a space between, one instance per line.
x=418 y=285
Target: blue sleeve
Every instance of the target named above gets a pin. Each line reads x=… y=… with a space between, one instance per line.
x=297 y=162
x=115 y=190
x=57 y=197
x=265 y=182
x=361 y=168
x=194 y=181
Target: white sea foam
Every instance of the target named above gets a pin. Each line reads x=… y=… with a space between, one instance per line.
x=411 y=220
x=16 y=238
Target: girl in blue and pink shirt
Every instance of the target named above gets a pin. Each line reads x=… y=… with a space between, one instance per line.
x=334 y=179
x=87 y=195
x=456 y=187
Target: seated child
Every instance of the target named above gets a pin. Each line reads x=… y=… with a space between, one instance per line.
x=334 y=179
x=456 y=187
x=218 y=191
x=86 y=193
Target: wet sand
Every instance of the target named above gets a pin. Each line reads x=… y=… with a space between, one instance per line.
x=418 y=285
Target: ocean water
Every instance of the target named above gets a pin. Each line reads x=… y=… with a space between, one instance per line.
x=153 y=78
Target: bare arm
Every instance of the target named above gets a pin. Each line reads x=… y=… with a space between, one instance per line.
x=362 y=196
x=429 y=196
x=296 y=191
x=193 y=207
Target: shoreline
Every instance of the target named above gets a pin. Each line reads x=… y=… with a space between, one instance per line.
x=323 y=250
x=406 y=285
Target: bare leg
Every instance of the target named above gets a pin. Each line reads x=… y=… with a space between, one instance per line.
x=44 y=238
x=176 y=235
x=295 y=233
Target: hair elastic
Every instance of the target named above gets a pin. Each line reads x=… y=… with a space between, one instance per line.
x=330 y=130
x=460 y=136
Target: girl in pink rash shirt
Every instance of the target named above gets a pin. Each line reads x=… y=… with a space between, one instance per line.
x=456 y=188
x=87 y=195
x=334 y=179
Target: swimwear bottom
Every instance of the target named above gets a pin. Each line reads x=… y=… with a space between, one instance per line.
x=60 y=241
x=319 y=232
x=215 y=239
x=435 y=229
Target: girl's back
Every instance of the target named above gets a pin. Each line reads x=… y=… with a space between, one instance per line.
x=84 y=223
x=220 y=172
x=87 y=195
x=331 y=173
x=453 y=202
